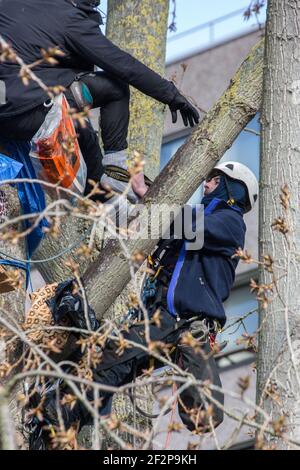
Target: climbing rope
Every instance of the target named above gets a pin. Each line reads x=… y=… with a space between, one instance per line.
x=171 y=421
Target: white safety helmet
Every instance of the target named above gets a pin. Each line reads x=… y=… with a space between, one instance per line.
x=242 y=173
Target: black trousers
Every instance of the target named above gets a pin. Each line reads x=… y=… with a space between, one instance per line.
x=117 y=369
x=111 y=95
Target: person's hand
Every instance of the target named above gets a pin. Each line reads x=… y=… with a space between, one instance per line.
x=189 y=114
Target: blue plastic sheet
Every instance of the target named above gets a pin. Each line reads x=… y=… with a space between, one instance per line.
x=32 y=196
x=9 y=168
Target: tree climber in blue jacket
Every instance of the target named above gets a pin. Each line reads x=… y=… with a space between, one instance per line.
x=73 y=25
x=188 y=288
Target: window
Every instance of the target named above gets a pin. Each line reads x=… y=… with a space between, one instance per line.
x=245 y=148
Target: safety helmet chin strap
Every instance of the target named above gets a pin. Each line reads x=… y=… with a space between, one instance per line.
x=231 y=200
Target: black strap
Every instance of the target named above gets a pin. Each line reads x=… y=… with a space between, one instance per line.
x=230 y=197
x=133 y=400
x=163 y=245
x=84 y=74
x=121 y=174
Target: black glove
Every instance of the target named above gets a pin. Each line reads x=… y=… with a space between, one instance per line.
x=189 y=114
x=66 y=304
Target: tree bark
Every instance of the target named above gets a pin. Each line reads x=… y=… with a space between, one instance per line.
x=109 y=274
x=140 y=28
x=7 y=429
x=279 y=340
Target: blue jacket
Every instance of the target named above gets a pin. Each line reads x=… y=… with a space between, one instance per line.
x=201 y=280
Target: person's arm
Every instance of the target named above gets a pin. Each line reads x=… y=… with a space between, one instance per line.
x=224 y=232
x=85 y=39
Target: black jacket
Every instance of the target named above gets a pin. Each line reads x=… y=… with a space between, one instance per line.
x=32 y=25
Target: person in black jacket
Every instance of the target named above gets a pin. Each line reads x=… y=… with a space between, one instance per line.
x=73 y=25
x=188 y=288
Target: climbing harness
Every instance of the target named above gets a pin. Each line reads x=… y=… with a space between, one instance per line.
x=81 y=93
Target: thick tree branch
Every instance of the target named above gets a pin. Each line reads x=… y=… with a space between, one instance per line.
x=12 y=302
x=140 y=28
x=109 y=273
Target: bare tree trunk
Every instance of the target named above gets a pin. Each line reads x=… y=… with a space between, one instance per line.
x=7 y=426
x=278 y=389
x=140 y=28
x=109 y=274
x=12 y=306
